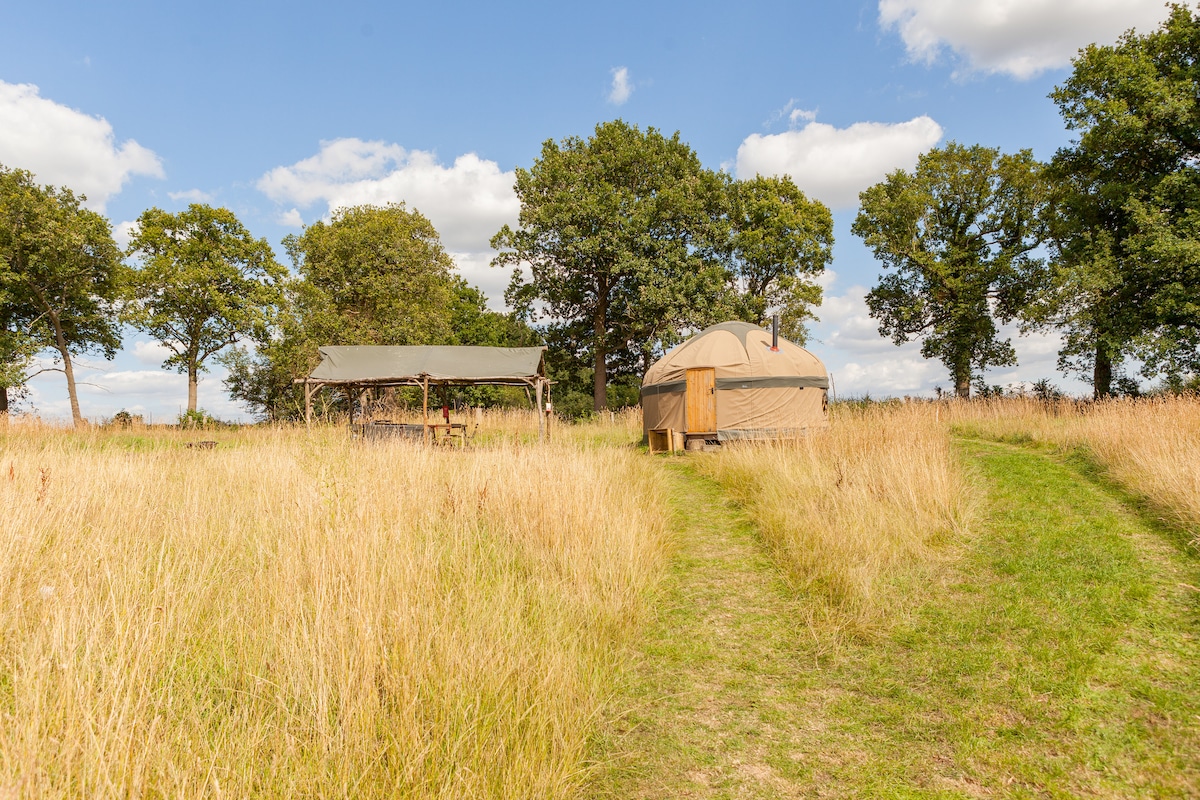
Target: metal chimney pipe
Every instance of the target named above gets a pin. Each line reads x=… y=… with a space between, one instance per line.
x=774 y=333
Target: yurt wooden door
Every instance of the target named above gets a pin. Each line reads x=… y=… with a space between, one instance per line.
x=702 y=400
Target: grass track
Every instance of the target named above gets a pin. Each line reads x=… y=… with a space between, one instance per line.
x=1060 y=657
x=710 y=714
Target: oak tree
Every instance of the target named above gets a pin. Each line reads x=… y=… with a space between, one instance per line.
x=958 y=235
x=201 y=284
x=371 y=275
x=1124 y=227
x=617 y=234
x=60 y=276
x=779 y=242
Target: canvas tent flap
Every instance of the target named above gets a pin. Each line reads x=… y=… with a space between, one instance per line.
x=380 y=364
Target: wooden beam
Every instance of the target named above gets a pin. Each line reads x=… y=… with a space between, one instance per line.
x=541 y=412
x=308 y=393
x=425 y=411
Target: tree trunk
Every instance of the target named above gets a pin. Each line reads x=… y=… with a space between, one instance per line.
x=60 y=342
x=193 y=380
x=4 y=401
x=1102 y=372
x=600 y=381
x=962 y=381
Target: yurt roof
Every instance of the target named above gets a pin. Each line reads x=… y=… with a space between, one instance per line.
x=735 y=349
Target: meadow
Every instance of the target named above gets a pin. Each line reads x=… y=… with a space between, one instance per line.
x=293 y=614
x=929 y=599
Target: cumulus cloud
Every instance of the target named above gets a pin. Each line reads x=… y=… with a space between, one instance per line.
x=290 y=218
x=835 y=164
x=123 y=232
x=1019 y=37
x=467 y=201
x=621 y=87
x=66 y=147
x=864 y=362
x=153 y=353
x=191 y=195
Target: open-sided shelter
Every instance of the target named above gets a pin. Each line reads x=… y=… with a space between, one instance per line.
x=735 y=380
x=359 y=367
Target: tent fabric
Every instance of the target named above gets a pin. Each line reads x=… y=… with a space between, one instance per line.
x=760 y=393
x=438 y=363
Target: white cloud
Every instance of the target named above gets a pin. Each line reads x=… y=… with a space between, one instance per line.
x=467 y=202
x=123 y=232
x=621 y=87
x=1019 y=37
x=835 y=164
x=66 y=147
x=192 y=196
x=290 y=218
x=476 y=270
x=799 y=115
x=793 y=113
x=152 y=353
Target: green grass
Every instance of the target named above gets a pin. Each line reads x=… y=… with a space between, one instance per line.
x=703 y=701
x=1059 y=656
x=1060 y=660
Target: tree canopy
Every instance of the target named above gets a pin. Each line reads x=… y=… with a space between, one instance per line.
x=202 y=284
x=779 y=240
x=1124 y=226
x=629 y=242
x=59 y=277
x=958 y=234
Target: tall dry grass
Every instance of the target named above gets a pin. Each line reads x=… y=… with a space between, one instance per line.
x=849 y=509
x=298 y=615
x=1151 y=445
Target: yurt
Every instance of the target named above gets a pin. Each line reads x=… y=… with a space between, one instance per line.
x=734 y=381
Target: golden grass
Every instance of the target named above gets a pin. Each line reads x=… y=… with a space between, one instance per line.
x=847 y=510
x=295 y=614
x=1150 y=445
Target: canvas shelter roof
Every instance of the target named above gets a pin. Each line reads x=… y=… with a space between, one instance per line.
x=382 y=365
x=737 y=350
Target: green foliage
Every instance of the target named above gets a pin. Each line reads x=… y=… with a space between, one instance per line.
x=616 y=232
x=124 y=419
x=1044 y=390
x=59 y=278
x=1125 y=227
x=373 y=275
x=779 y=240
x=629 y=243
x=199 y=419
x=958 y=234
x=203 y=283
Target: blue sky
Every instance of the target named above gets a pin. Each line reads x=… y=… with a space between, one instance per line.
x=281 y=111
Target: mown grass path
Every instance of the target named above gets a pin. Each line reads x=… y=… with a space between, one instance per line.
x=711 y=714
x=1058 y=657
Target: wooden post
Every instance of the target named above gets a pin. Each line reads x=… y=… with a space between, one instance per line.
x=425 y=411
x=541 y=412
x=308 y=390
x=350 y=401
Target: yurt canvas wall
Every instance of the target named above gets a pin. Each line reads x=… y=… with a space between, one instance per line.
x=726 y=383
